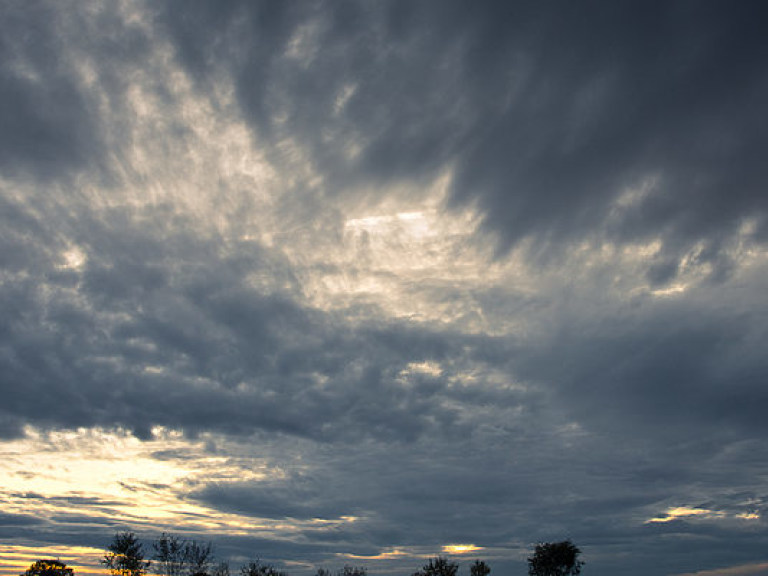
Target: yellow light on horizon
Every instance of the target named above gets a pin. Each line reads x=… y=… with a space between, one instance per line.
x=15 y=559
x=460 y=548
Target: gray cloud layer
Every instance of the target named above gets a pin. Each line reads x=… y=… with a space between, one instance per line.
x=549 y=112
x=614 y=156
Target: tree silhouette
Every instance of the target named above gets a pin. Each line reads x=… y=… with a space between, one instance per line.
x=479 y=568
x=257 y=568
x=352 y=571
x=555 y=559
x=48 y=567
x=169 y=553
x=438 y=567
x=178 y=557
x=125 y=556
x=198 y=557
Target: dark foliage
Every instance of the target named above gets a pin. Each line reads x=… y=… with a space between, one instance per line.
x=198 y=557
x=438 y=567
x=258 y=568
x=352 y=571
x=178 y=557
x=125 y=556
x=555 y=559
x=479 y=568
x=48 y=567
x=221 y=569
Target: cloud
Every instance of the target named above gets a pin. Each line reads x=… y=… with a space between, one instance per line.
x=683 y=512
x=17 y=520
x=732 y=571
x=548 y=143
x=367 y=281
x=282 y=499
x=199 y=347
x=52 y=128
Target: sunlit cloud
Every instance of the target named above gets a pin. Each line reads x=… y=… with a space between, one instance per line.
x=685 y=512
x=674 y=289
x=389 y=554
x=128 y=480
x=74 y=258
x=461 y=548
x=427 y=367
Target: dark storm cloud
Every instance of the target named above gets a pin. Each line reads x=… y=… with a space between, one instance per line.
x=669 y=367
x=249 y=548
x=48 y=125
x=436 y=493
x=548 y=111
x=280 y=500
x=165 y=328
x=8 y=521
x=45 y=123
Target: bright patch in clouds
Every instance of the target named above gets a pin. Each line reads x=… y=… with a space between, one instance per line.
x=74 y=258
x=685 y=512
x=128 y=479
x=461 y=548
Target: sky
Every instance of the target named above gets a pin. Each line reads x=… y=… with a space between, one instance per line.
x=367 y=282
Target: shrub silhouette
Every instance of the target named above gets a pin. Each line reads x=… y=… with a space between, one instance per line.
x=48 y=567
